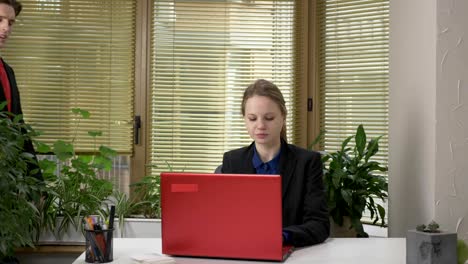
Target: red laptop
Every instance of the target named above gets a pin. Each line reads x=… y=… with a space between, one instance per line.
x=222 y=216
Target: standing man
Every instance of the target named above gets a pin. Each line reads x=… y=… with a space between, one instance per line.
x=9 y=10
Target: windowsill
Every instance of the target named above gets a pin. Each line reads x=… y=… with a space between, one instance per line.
x=376 y=231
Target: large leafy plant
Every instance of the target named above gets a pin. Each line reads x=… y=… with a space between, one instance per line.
x=353 y=180
x=20 y=192
x=75 y=190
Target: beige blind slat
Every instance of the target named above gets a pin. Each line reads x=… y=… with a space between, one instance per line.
x=354 y=54
x=73 y=53
x=204 y=54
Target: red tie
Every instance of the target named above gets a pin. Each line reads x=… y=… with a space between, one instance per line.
x=6 y=85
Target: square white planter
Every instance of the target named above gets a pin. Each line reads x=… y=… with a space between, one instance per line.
x=139 y=228
x=133 y=228
x=431 y=248
x=71 y=237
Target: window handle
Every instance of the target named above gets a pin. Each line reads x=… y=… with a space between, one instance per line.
x=136 y=129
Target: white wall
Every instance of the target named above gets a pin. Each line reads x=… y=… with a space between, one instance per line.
x=412 y=114
x=428 y=115
x=451 y=191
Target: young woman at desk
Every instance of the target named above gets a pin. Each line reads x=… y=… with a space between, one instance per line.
x=305 y=213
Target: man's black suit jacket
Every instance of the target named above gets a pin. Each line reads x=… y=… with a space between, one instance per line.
x=16 y=109
x=305 y=212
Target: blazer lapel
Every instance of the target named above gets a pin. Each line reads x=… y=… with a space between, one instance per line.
x=247 y=165
x=2 y=95
x=15 y=101
x=287 y=166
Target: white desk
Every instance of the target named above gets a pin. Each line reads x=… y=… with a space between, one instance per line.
x=333 y=251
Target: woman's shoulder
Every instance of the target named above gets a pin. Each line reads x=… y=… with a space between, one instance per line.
x=236 y=160
x=238 y=152
x=302 y=152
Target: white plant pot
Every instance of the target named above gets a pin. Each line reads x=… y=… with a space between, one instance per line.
x=70 y=237
x=431 y=248
x=139 y=228
x=133 y=228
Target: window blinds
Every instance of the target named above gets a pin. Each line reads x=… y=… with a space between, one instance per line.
x=354 y=70
x=76 y=54
x=354 y=77
x=204 y=54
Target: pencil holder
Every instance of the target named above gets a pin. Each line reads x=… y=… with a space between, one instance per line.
x=99 y=246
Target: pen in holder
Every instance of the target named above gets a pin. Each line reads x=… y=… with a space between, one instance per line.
x=99 y=246
x=99 y=238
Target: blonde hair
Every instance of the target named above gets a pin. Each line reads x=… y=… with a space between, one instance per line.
x=266 y=88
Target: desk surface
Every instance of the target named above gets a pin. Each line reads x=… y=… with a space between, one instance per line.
x=333 y=251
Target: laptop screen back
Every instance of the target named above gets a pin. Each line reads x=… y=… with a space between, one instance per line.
x=221 y=215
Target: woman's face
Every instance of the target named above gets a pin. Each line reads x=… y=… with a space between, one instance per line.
x=263 y=120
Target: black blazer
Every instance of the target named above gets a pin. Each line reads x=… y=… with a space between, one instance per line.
x=305 y=212
x=16 y=109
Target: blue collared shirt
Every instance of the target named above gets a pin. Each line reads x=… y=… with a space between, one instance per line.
x=270 y=167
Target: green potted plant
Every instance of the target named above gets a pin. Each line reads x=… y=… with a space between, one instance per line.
x=125 y=207
x=352 y=181
x=148 y=190
x=20 y=192
x=462 y=251
x=139 y=215
x=74 y=190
